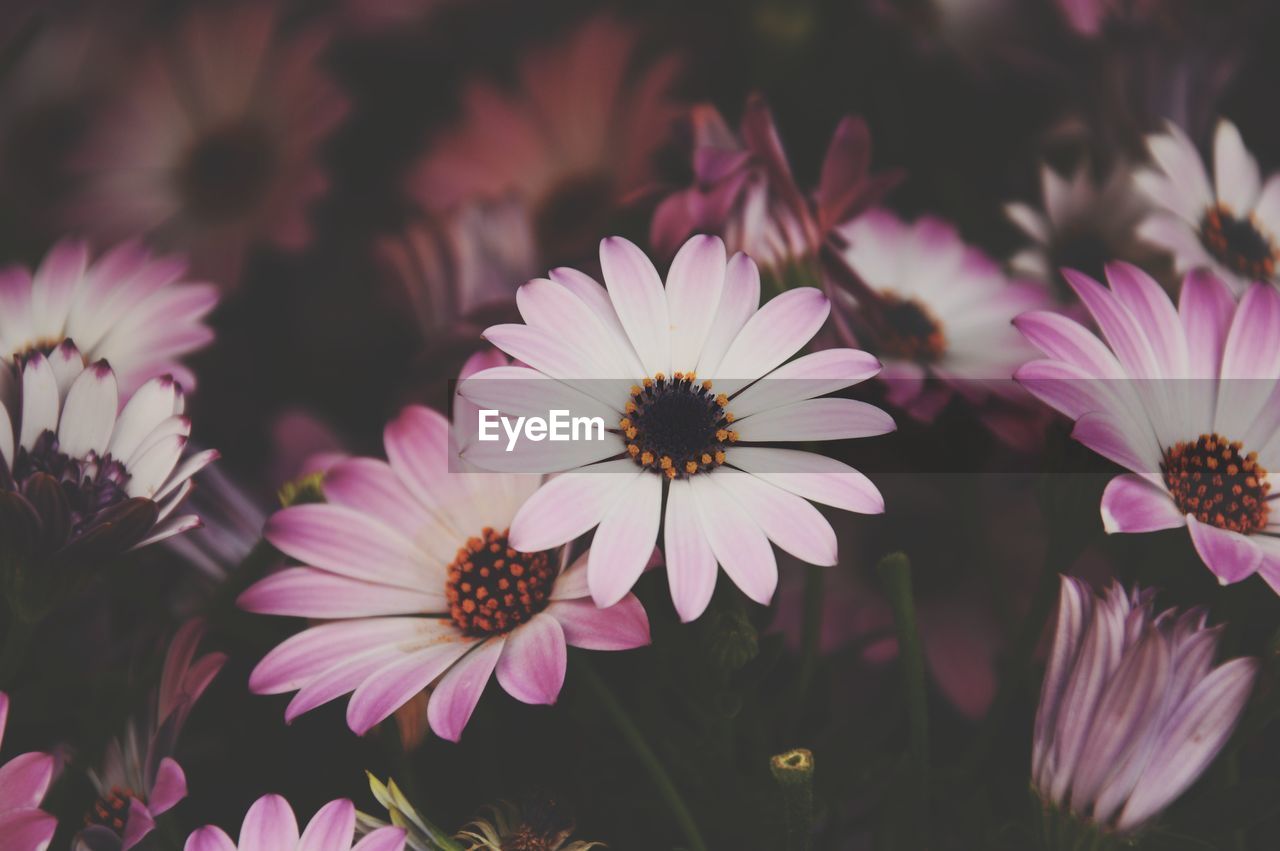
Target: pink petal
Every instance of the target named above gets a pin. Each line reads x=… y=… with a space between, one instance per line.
x=1132 y=503
x=299 y=658
x=625 y=539
x=812 y=476
x=640 y=301
x=739 y=300
x=348 y=542
x=1065 y=339
x=1101 y=433
x=694 y=285
x=1206 y=307
x=310 y=593
x=391 y=686
x=382 y=839
x=570 y=505
x=739 y=544
x=28 y=830
x=209 y=839
x=806 y=377
x=456 y=695
x=789 y=521
x=330 y=829
x=622 y=626
x=776 y=332
x=24 y=781
x=269 y=826
x=138 y=826
x=89 y=413
x=691 y=565
x=370 y=484
x=1230 y=555
x=532 y=665
x=816 y=419
x=1154 y=313
x=1118 y=326
x=169 y=788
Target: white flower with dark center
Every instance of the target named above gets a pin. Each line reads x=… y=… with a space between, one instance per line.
x=79 y=475
x=691 y=378
x=1230 y=224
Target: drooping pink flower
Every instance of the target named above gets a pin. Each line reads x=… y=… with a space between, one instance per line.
x=1133 y=709
x=744 y=190
x=1183 y=397
x=937 y=313
x=270 y=825
x=128 y=307
x=213 y=147
x=80 y=475
x=408 y=561
x=24 y=780
x=577 y=136
x=139 y=779
x=1230 y=224
x=684 y=376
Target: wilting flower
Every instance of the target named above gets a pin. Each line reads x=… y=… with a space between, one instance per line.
x=1230 y=224
x=744 y=190
x=80 y=475
x=127 y=307
x=420 y=834
x=270 y=825
x=1132 y=710
x=1182 y=397
x=541 y=822
x=232 y=526
x=23 y=783
x=411 y=564
x=936 y=311
x=214 y=146
x=460 y=270
x=578 y=136
x=139 y=778
x=1084 y=223
x=683 y=376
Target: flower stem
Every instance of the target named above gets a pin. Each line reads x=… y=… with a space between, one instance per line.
x=636 y=739
x=895 y=576
x=793 y=772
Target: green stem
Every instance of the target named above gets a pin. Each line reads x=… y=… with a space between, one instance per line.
x=636 y=739
x=793 y=772
x=895 y=576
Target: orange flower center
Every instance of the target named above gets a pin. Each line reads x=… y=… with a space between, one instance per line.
x=1239 y=244
x=492 y=588
x=1213 y=480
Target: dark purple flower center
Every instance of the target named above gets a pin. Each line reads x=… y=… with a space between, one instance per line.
x=1214 y=480
x=227 y=172
x=111 y=810
x=90 y=485
x=908 y=331
x=1239 y=244
x=492 y=588
x=677 y=426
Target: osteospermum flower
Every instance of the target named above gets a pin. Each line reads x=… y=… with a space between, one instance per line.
x=270 y=825
x=23 y=783
x=1084 y=222
x=1180 y=397
x=936 y=311
x=1230 y=224
x=213 y=148
x=686 y=376
x=82 y=476
x=411 y=564
x=744 y=190
x=127 y=307
x=541 y=822
x=1132 y=710
x=576 y=137
x=139 y=779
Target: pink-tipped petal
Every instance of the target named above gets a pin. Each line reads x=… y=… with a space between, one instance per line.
x=570 y=505
x=1132 y=503
x=739 y=544
x=1230 y=555
x=533 y=662
x=458 y=692
x=269 y=826
x=624 y=540
x=169 y=788
x=640 y=301
x=394 y=684
x=694 y=285
x=209 y=839
x=776 y=332
x=330 y=829
x=382 y=839
x=622 y=626
x=691 y=565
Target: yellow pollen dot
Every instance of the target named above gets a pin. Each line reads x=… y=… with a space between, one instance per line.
x=706 y=459
x=648 y=382
x=671 y=472
x=719 y=457
x=631 y=433
x=658 y=376
x=635 y=389
x=630 y=407
x=633 y=450
x=722 y=435
x=646 y=459
x=679 y=376
x=722 y=400
x=624 y=423
x=691 y=467
x=665 y=462
x=728 y=416
x=733 y=437
x=706 y=385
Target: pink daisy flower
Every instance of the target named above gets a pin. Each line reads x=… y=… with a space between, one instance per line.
x=410 y=564
x=685 y=376
x=139 y=778
x=937 y=313
x=24 y=780
x=745 y=192
x=270 y=825
x=127 y=307
x=576 y=137
x=1132 y=710
x=1183 y=397
x=80 y=475
x=1230 y=224
x=214 y=147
